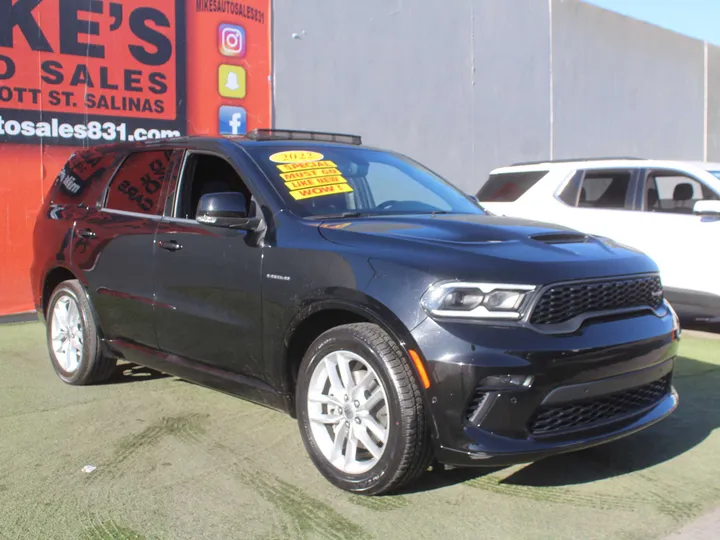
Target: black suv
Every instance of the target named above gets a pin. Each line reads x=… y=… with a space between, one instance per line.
x=356 y=290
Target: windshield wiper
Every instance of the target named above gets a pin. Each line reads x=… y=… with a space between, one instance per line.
x=342 y=215
x=416 y=213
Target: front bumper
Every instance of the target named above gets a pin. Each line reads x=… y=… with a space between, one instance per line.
x=607 y=381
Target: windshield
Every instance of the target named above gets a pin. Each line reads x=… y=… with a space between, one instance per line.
x=716 y=174
x=339 y=181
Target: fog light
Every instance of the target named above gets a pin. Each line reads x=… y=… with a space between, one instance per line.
x=507 y=382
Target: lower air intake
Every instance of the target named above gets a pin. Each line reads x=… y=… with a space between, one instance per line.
x=556 y=419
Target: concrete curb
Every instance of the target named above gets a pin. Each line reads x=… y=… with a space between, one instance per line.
x=705 y=528
x=29 y=316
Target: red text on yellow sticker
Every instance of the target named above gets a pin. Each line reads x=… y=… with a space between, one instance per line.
x=289 y=167
x=295 y=156
x=297 y=175
x=307 y=193
x=310 y=182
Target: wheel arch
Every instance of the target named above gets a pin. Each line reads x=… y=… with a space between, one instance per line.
x=318 y=317
x=55 y=277
x=52 y=279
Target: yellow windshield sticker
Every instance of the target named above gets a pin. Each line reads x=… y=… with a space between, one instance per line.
x=311 y=182
x=317 y=173
x=295 y=156
x=308 y=193
x=290 y=167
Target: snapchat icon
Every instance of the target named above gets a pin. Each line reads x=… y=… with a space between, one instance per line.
x=231 y=81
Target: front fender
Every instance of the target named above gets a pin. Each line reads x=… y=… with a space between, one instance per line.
x=356 y=306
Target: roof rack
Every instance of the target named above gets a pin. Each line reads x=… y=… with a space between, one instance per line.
x=570 y=160
x=295 y=135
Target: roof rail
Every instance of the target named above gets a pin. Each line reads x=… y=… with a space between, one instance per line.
x=296 y=135
x=570 y=160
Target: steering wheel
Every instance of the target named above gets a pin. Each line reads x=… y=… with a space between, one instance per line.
x=386 y=205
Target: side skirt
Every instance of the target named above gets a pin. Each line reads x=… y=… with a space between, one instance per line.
x=228 y=382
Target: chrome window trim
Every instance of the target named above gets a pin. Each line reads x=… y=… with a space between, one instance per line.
x=131 y=214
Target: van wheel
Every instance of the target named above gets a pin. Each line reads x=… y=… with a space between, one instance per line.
x=73 y=338
x=360 y=411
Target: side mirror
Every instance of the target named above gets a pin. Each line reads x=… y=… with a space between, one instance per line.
x=707 y=208
x=226 y=209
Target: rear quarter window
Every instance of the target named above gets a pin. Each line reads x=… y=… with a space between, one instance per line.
x=508 y=187
x=84 y=173
x=138 y=185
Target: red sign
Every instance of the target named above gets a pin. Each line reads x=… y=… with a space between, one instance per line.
x=78 y=73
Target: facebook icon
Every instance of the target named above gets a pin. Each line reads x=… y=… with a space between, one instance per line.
x=233 y=120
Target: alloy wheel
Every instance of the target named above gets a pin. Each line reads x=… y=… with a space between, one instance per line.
x=67 y=333
x=348 y=412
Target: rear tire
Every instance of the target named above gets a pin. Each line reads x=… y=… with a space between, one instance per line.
x=73 y=337
x=364 y=437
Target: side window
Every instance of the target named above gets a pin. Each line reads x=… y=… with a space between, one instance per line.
x=83 y=171
x=571 y=192
x=138 y=185
x=389 y=183
x=675 y=193
x=205 y=174
x=604 y=189
x=508 y=187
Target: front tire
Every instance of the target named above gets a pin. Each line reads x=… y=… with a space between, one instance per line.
x=73 y=337
x=360 y=411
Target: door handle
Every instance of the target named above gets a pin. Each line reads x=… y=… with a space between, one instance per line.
x=86 y=233
x=170 y=245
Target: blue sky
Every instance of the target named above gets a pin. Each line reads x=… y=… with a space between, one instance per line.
x=696 y=18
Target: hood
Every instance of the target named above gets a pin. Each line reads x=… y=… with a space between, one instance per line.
x=457 y=240
x=460 y=229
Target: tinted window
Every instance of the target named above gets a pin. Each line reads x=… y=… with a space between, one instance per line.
x=674 y=193
x=83 y=170
x=570 y=193
x=508 y=187
x=319 y=180
x=138 y=185
x=604 y=189
x=206 y=174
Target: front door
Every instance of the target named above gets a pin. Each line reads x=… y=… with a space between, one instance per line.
x=683 y=244
x=207 y=279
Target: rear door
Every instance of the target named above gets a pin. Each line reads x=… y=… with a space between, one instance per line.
x=114 y=245
x=601 y=202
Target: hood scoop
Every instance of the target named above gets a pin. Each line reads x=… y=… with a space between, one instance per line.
x=561 y=238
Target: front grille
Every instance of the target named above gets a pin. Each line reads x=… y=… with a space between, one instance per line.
x=557 y=419
x=561 y=303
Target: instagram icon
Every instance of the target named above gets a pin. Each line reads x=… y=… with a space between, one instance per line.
x=232 y=40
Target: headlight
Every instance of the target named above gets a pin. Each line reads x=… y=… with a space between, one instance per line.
x=455 y=299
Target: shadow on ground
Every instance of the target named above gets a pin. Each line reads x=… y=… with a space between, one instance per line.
x=127 y=373
x=695 y=418
x=711 y=328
